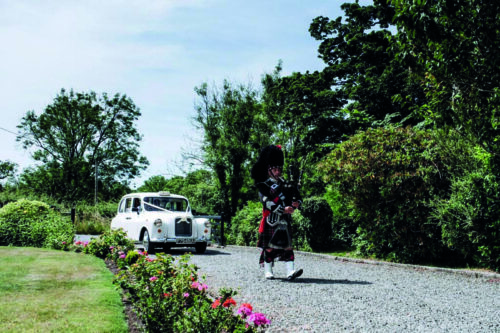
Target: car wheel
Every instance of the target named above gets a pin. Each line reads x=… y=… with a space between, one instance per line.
x=201 y=248
x=146 y=243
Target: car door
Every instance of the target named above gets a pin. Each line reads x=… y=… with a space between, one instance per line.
x=119 y=220
x=134 y=218
x=128 y=219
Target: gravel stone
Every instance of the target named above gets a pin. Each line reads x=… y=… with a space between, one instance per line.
x=343 y=295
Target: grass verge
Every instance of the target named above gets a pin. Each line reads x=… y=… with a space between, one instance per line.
x=44 y=290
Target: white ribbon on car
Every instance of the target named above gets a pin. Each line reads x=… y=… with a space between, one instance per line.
x=157 y=207
x=164 y=209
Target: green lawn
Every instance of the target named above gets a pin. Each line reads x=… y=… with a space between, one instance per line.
x=45 y=290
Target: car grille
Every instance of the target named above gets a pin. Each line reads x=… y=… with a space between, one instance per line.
x=183 y=229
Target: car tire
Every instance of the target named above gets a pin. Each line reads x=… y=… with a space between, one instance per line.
x=146 y=243
x=201 y=248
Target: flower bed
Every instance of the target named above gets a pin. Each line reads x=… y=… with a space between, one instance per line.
x=169 y=296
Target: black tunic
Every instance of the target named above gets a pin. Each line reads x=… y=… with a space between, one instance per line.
x=275 y=232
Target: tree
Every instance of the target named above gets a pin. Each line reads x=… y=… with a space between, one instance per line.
x=7 y=169
x=198 y=186
x=81 y=137
x=154 y=184
x=362 y=62
x=456 y=45
x=305 y=114
x=233 y=132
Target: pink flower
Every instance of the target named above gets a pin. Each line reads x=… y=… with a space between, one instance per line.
x=186 y=295
x=245 y=310
x=122 y=256
x=199 y=286
x=153 y=278
x=258 y=319
x=64 y=243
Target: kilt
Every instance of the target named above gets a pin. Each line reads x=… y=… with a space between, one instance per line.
x=269 y=252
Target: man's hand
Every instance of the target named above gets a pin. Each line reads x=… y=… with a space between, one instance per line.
x=289 y=210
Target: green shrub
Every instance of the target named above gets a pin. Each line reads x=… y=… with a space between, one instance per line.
x=470 y=217
x=316 y=224
x=389 y=176
x=343 y=225
x=468 y=223
x=34 y=223
x=94 y=219
x=109 y=244
x=299 y=225
x=245 y=225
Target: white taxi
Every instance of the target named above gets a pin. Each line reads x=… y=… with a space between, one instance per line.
x=161 y=219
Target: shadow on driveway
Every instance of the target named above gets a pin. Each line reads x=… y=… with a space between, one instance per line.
x=324 y=281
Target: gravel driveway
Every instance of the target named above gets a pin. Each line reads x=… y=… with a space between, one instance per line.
x=335 y=295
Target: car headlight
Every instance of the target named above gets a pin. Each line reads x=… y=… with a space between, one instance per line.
x=157 y=222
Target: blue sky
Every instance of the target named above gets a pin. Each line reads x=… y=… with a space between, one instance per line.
x=153 y=51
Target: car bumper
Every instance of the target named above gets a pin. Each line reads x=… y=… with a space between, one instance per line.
x=184 y=241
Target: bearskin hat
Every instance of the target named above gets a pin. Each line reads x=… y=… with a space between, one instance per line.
x=270 y=156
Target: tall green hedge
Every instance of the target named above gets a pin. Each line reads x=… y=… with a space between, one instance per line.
x=470 y=216
x=390 y=175
x=245 y=225
x=314 y=225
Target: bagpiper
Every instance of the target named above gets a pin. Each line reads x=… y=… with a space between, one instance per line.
x=279 y=198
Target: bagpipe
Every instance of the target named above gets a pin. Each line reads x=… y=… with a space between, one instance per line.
x=288 y=192
x=283 y=193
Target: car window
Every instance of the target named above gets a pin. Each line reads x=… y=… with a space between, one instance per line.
x=153 y=204
x=122 y=206
x=159 y=203
x=137 y=202
x=128 y=205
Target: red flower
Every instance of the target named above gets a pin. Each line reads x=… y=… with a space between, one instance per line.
x=215 y=304
x=247 y=305
x=228 y=302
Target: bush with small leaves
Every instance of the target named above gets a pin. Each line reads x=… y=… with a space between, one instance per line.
x=245 y=225
x=109 y=243
x=388 y=176
x=34 y=223
x=316 y=223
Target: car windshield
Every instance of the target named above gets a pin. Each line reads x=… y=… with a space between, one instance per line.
x=165 y=203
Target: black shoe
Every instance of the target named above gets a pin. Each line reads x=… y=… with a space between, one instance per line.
x=295 y=274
